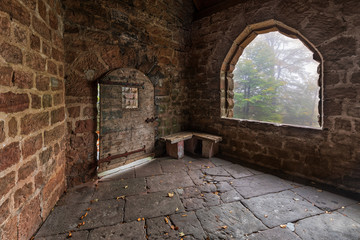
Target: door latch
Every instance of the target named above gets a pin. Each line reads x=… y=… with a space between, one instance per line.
x=149 y=120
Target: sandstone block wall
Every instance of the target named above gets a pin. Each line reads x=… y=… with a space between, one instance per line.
x=150 y=36
x=32 y=114
x=330 y=155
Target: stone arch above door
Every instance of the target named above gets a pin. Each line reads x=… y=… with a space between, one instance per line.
x=125 y=122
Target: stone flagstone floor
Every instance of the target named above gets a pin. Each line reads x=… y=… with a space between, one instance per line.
x=198 y=198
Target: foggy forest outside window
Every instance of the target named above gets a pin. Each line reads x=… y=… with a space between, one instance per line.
x=276 y=80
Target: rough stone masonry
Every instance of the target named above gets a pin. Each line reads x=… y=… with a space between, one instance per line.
x=52 y=52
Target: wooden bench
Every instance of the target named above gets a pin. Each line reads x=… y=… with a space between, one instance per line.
x=193 y=142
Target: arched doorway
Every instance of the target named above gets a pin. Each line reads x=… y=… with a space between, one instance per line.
x=126 y=116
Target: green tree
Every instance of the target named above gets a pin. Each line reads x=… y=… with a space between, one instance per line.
x=276 y=81
x=255 y=85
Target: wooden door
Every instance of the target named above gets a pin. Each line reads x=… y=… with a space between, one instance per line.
x=127 y=130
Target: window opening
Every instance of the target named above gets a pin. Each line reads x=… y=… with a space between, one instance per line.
x=276 y=80
x=130 y=98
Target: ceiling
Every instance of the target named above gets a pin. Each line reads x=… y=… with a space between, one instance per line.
x=203 y=4
x=208 y=7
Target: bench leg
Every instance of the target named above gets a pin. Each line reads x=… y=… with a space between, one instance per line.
x=175 y=150
x=209 y=149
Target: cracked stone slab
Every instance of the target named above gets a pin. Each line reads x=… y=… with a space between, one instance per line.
x=66 y=218
x=197 y=163
x=150 y=169
x=188 y=224
x=172 y=165
x=130 y=173
x=219 y=162
x=207 y=187
x=79 y=194
x=323 y=199
x=193 y=203
x=152 y=205
x=223 y=187
x=131 y=231
x=104 y=213
x=79 y=235
x=63 y=219
x=216 y=171
x=211 y=199
x=237 y=171
x=230 y=196
x=189 y=192
x=228 y=221
x=259 y=184
x=169 y=181
x=280 y=208
x=218 y=178
x=197 y=176
x=328 y=226
x=124 y=187
x=275 y=233
x=158 y=228
x=352 y=211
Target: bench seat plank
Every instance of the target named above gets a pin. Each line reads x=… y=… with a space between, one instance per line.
x=177 y=137
x=209 y=137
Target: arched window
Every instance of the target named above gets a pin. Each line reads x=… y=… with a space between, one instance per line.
x=271 y=77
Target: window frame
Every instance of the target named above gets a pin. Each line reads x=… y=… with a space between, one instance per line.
x=236 y=50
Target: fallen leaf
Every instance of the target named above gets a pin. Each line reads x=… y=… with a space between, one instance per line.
x=88 y=209
x=166 y=233
x=283 y=225
x=202 y=194
x=342 y=207
x=172 y=227
x=166 y=220
x=143 y=219
x=265 y=216
x=216 y=193
x=181 y=234
x=177 y=209
x=120 y=197
x=184 y=215
x=126 y=187
x=170 y=194
x=327 y=212
x=81 y=224
x=69 y=235
x=94 y=200
x=296 y=199
x=224 y=227
x=139 y=219
x=83 y=216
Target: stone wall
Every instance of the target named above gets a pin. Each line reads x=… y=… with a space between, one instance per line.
x=32 y=114
x=330 y=155
x=150 y=36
